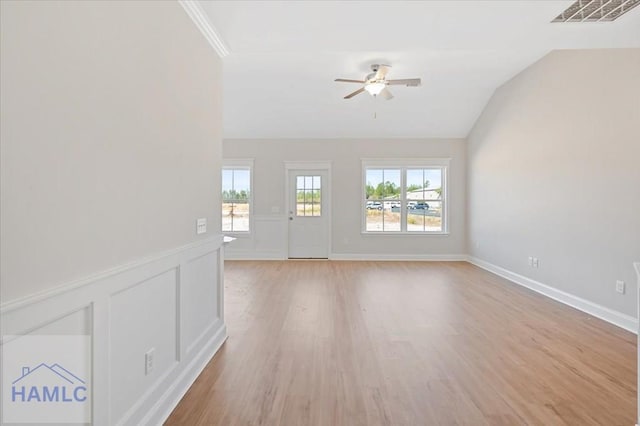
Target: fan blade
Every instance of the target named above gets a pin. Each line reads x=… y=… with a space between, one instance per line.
x=382 y=71
x=357 y=92
x=386 y=93
x=344 y=80
x=411 y=82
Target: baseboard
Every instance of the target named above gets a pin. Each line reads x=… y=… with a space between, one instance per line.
x=619 y=319
x=165 y=405
x=253 y=255
x=399 y=257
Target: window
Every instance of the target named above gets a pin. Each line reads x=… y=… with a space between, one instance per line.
x=383 y=190
x=308 y=193
x=236 y=196
x=423 y=194
x=405 y=196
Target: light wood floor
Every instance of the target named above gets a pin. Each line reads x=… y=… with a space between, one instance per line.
x=406 y=343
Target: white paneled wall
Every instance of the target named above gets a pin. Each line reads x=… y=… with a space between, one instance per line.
x=171 y=302
x=267 y=240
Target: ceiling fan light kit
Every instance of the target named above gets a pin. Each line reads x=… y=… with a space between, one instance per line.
x=376 y=83
x=374 y=88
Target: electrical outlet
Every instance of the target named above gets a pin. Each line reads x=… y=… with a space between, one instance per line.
x=201 y=226
x=620 y=287
x=536 y=262
x=530 y=261
x=148 y=361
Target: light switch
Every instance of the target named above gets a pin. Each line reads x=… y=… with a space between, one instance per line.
x=201 y=226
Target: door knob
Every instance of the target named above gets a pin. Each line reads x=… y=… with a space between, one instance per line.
x=290 y=218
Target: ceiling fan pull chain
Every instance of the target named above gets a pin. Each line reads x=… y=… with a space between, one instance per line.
x=375 y=107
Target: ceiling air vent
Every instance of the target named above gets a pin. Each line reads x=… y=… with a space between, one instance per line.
x=596 y=10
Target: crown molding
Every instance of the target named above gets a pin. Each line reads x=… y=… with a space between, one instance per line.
x=199 y=17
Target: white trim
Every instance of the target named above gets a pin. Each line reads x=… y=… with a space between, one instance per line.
x=267 y=255
x=234 y=163
x=165 y=405
x=619 y=319
x=399 y=257
x=404 y=233
x=240 y=235
x=90 y=279
x=254 y=255
x=199 y=17
x=407 y=162
x=309 y=165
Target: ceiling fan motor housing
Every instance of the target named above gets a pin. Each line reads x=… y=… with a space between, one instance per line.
x=375 y=83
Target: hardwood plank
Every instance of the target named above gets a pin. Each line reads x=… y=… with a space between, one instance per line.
x=406 y=343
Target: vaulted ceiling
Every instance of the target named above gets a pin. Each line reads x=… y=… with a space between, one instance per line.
x=284 y=56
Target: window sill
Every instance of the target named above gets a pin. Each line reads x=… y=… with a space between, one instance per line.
x=405 y=233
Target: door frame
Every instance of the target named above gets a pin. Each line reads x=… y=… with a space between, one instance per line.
x=325 y=166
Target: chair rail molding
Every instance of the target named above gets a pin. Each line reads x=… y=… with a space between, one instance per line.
x=171 y=302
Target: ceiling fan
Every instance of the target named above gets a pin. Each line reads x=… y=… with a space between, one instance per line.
x=376 y=83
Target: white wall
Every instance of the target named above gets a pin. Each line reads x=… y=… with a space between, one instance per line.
x=345 y=155
x=111 y=148
x=110 y=137
x=553 y=173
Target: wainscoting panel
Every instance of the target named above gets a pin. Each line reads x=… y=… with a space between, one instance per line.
x=199 y=299
x=266 y=241
x=142 y=318
x=171 y=302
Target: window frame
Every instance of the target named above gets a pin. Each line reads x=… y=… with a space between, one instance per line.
x=404 y=164
x=238 y=164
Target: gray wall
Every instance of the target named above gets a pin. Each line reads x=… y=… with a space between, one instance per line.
x=345 y=156
x=553 y=173
x=111 y=137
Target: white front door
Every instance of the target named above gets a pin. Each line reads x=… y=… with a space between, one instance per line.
x=308 y=214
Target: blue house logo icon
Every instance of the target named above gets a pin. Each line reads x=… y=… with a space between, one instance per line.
x=48 y=383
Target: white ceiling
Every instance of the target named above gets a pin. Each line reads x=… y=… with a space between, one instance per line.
x=284 y=56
